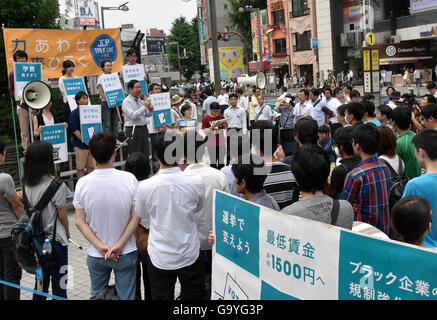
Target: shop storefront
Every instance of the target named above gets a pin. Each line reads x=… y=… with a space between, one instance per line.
x=411 y=55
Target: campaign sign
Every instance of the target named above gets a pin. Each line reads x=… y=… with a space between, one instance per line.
x=56 y=135
x=25 y=72
x=112 y=87
x=134 y=72
x=73 y=86
x=162 y=109
x=262 y=254
x=90 y=121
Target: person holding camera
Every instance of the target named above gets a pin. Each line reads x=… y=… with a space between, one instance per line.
x=285 y=107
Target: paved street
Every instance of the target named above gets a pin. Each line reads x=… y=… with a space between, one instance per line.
x=78 y=275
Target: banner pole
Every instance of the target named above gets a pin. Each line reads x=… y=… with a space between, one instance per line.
x=16 y=143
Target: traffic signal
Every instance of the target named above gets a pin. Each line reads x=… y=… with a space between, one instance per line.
x=221 y=36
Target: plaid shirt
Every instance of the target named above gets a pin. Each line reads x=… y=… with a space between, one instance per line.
x=367 y=188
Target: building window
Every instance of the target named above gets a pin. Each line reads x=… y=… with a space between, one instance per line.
x=280 y=45
x=278 y=17
x=300 y=8
x=303 y=41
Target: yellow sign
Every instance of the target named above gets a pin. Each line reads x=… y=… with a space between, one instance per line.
x=375 y=59
x=366 y=60
x=370 y=38
x=231 y=62
x=86 y=48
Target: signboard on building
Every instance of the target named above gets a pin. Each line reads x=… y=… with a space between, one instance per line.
x=422 y=5
x=262 y=254
x=254 y=25
x=155 y=45
x=87 y=11
x=406 y=49
x=352 y=16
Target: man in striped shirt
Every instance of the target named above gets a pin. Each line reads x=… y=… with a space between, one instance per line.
x=367 y=187
x=280 y=182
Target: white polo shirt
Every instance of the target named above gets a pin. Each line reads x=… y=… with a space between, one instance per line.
x=169 y=202
x=263 y=112
x=333 y=104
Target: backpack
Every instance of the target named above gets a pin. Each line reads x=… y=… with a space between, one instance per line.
x=398 y=183
x=28 y=232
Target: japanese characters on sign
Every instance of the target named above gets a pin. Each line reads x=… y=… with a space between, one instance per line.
x=56 y=135
x=162 y=109
x=86 y=48
x=264 y=254
x=113 y=91
x=90 y=121
x=134 y=72
x=73 y=86
x=24 y=73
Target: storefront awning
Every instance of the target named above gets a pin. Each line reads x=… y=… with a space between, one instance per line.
x=386 y=61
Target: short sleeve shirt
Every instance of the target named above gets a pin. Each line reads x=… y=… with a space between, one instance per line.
x=7 y=216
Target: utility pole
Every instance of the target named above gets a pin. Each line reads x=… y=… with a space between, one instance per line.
x=214 y=45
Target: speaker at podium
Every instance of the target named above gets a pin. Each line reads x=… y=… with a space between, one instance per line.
x=258 y=81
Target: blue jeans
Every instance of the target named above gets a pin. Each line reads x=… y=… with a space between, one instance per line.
x=109 y=119
x=125 y=270
x=59 y=276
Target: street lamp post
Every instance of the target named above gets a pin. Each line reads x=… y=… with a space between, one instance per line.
x=122 y=7
x=179 y=59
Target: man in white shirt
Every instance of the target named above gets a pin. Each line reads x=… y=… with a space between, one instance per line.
x=432 y=88
x=236 y=116
x=333 y=104
x=418 y=77
x=210 y=99
x=316 y=103
x=135 y=113
x=194 y=149
x=105 y=214
x=243 y=103
x=262 y=111
x=303 y=107
x=170 y=201
x=283 y=94
x=223 y=100
x=395 y=96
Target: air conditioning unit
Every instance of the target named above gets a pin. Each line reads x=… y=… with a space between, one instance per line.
x=395 y=39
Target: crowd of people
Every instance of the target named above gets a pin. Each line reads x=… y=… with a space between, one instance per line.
x=328 y=155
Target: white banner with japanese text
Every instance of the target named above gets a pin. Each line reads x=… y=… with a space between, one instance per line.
x=262 y=254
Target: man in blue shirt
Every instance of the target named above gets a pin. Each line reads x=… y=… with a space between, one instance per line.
x=425 y=145
x=285 y=107
x=83 y=155
x=326 y=141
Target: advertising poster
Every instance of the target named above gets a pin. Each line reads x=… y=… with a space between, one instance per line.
x=56 y=135
x=23 y=74
x=90 y=121
x=262 y=254
x=134 y=72
x=113 y=91
x=162 y=109
x=73 y=86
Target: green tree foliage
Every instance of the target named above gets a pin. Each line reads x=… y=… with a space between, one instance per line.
x=186 y=34
x=38 y=14
x=240 y=21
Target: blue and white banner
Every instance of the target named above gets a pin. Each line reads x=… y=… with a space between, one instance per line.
x=90 y=121
x=73 y=86
x=56 y=134
x=134 y=72
x=262 y=254
x=25 y=72
x=112 y=87
x=162 y=109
